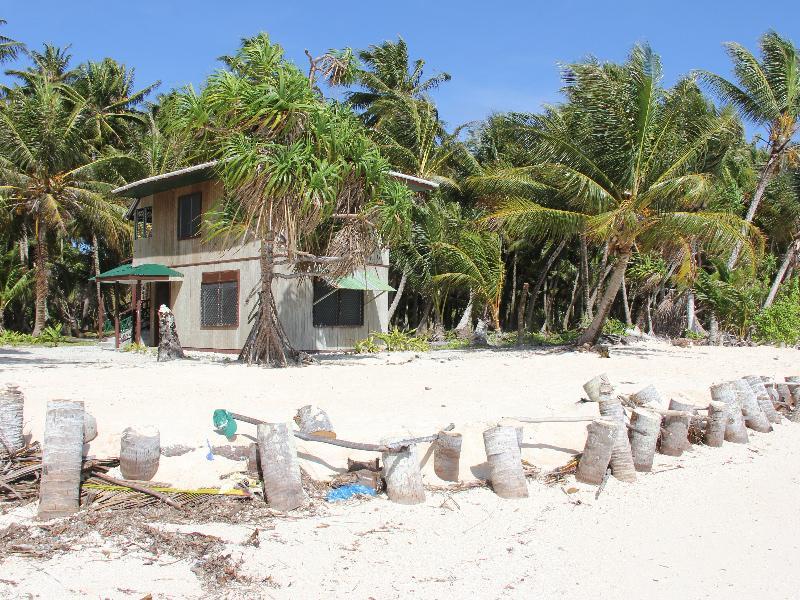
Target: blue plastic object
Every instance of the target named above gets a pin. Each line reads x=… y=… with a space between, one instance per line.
x=349 y=490
x=224 y=423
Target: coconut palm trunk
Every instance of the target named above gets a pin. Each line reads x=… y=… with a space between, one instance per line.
x=40 y=310
x=398 y=294
x=592 y=333
x=101 y=309
x=791 y=253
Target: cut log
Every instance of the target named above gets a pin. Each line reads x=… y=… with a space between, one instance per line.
x=644 y=432
x=12 y=403
x=695 y=432
x=592 y=387
x=447 y=456
x=771 y=386
x=600 y=437
x=315 y=421
x=506 y=474
x=794 y=390
x=735 y=430
x=402 y=474
x=764 y=398
x=89 y=427
x=647 y=395
x=283 y=487
x=62 y=459
x=717 y=423
x=674 y=434
x=169 y=346
x=621 y=458
x=754 y=417
x=139 y=453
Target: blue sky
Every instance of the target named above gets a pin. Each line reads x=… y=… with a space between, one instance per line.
x=502 y=55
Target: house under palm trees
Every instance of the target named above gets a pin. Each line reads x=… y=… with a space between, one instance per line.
x=209 y=284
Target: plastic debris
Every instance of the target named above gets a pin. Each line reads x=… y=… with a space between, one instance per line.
x=224 y=423
x=349 y=490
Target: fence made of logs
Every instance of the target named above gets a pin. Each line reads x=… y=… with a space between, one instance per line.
x=621 y=440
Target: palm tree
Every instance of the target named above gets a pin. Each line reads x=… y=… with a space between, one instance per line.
x=46 y=169
x=52 y=63
x=9 y=49
x=386 y=76
x=767 y=94
x=613 y=166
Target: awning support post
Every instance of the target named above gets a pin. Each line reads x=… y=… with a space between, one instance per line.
x=116 y=315
x=137 y=303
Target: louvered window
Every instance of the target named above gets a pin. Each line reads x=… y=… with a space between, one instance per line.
x=219 y=299
x=337 y=308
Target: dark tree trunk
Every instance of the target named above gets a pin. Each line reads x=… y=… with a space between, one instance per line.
x=397 y=295
x=540 y=281
x=101 y=309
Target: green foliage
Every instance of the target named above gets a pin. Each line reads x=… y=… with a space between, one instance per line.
x=780 y=323
x=137 y=348
x=50 y=336
x=393 y=341
x=614 y=326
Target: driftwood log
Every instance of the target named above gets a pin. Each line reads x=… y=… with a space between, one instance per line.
x=315 y=421
x=402 y=473
x=621 y=458
x=600 y=437
x=280 y=469
x=62 y=459
x=717 y=423
x=447 y=456
x=592 y=387
x=735 y=430
x=139 y=453
x=11 y=420
x=506 y=475
x=169 y=346
x=644 y=431
x=764 y=398
x=754 y=417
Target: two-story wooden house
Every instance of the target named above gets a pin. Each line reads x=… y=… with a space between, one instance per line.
x=209 y=285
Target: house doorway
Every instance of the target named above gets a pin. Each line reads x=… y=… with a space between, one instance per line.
x=161 y=295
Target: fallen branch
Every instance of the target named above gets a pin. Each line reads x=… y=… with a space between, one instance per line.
x=551 y=419
x=138 y=488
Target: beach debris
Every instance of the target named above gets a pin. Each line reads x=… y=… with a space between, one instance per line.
x=643 y=434
x=402 y=473
x=647 y=395
x=621 y=458
x=139 y=452
x=138 y=488
x=11 y=413
x=674 y=431
x=349 y=490
x=763 y=397
x=600 y=438
x=62 y=459
x=313 y=420
x=694 y=434
x=506 y=474
x=283 y=488
x=735 y=430
x=793 y=387
x=169 y=346
x=89 y=427
x=717 y=423
x=754 y=417
x=447 y=455
x=592 y=387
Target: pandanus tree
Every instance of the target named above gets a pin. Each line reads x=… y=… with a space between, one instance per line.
x=299 y=174
x=766 y=93
x=612 y=165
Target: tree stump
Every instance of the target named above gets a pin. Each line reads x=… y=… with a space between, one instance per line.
x=402 y=474
x=600 y=437
x=764 y=398
x=717 y=422
x=506 y=474
x=592 y=387
x=621 y=458
x=644 y=432
x=794 y=391
x=89 y=427
x=314 y=421
x=169 y=346
x=647 y=395
x=12 y=403
x=735 y=430
x=674 y=435
x=772 y=387
x=480 y=337
x=754 y=417
x=447 y=455
x=283 y=486
x=62 y=459
x=139 y=452
x=695 y=431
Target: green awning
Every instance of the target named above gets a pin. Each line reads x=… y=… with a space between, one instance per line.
x=130 y=273
x=363 y=280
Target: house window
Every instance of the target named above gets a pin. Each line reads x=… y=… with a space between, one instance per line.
x=219 y=299
x=143 y=223
x=189 y=209
x=337 y=308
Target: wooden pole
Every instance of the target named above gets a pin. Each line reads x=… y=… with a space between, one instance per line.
x=62 y=459
x=139 y=453
x=116 y=316
x=506 y=474
x=447 y=456
x=643 y=434
x=622 y=466
x=764 y=398
x=137 y=304
x=283 y=488
x=592 y=387
x=717 y=422
x=523 y=301
x=735 y=431
x=402 y=474
x=754 y=417
x=12 y=403
x=597 y=451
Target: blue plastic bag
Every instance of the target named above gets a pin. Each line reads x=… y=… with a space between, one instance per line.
x=349 y=490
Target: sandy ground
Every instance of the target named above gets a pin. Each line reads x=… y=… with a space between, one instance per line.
x=715 y=523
